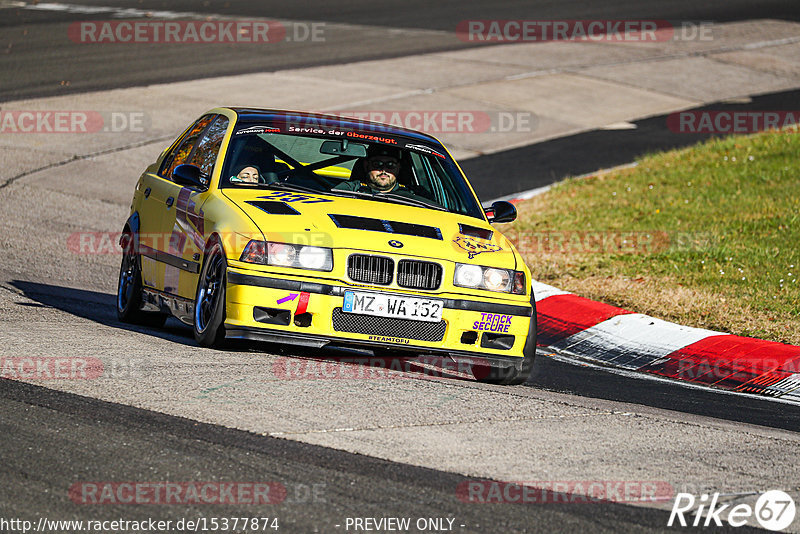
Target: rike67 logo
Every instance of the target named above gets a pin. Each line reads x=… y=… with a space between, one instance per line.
x=774 y=510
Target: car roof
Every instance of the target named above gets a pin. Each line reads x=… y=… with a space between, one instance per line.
x=355 y=124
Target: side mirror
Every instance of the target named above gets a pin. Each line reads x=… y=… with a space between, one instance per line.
x=501 y=212
x=189 y=175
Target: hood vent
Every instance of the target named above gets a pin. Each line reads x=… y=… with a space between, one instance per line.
x=274 y=207
x=474 y=231
x=382 y=225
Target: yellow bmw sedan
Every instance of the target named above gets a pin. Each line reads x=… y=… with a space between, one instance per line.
x=311 y=229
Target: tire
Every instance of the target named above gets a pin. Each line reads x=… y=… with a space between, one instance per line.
x=511 y=376
x=209 y=303
x=129 y=288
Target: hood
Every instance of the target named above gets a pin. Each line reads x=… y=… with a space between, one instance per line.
x=374 y=226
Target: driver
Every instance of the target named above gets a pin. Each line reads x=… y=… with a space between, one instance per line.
x=381 y=167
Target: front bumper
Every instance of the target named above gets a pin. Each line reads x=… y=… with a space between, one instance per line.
x=304 y=312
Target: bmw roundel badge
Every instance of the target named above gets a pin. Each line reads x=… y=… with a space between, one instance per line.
x=395 y=243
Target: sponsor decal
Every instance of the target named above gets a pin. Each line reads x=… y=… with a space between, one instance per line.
x=257 y=130
x=294 y=197
x=389 y=339
x=368 y=137
x=425 y=149
x=493 y=322
x=475 y=246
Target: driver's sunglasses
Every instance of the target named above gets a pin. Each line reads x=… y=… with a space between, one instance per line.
x=376 y=164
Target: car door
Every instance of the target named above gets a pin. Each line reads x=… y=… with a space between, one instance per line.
x=185 y=221
x=157 y=208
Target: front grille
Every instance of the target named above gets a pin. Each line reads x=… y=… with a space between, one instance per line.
x=387 y=326
x=419 y=274
x=370 y=269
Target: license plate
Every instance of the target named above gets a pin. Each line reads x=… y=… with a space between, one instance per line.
x=401 y=307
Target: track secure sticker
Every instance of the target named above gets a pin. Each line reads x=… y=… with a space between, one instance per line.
x=475 y=246
x=493 y=322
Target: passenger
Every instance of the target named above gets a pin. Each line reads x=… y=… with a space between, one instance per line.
x=248 y=174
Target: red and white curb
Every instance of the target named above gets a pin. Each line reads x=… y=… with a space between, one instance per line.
x=586 y=330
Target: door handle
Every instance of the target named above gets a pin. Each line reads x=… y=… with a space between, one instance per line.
x=147 y=192
x=170 y=200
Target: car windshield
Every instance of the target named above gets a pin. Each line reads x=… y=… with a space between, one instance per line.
x=423 y=175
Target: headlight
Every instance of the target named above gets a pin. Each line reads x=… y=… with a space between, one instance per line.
x=281 y=254
x=288 y=255
x=489 y=278
x=314 y=258
x=497 y=279
x=468 y=275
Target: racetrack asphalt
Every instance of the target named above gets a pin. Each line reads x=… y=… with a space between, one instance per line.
x=382 y=447
x=83 y=440
x=39 y=60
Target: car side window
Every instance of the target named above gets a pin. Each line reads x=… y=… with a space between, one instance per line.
x=205 y=154
x=183 y=149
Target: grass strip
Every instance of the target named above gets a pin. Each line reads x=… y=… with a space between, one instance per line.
x=705 y=236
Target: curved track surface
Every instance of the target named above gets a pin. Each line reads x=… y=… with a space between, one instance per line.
x=40 y=60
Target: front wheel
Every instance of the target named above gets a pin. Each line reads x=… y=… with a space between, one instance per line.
x=209 y=306
x=129 y=288
x=511 y=376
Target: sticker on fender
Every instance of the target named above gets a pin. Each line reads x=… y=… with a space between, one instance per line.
x=396 y=306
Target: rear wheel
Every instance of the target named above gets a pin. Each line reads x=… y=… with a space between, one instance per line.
x=209 y=307
x=129 y=288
